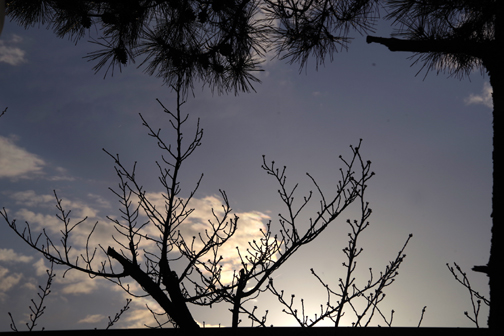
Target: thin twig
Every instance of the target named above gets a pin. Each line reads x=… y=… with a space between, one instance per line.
x=37 y=309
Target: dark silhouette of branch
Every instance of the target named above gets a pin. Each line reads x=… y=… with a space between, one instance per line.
x=349 y=291
x=472 y=293
x=38 y=309
x=422 y=316
x=474 y=49
x=265 y=256
x=60 y=255
x=118 y=315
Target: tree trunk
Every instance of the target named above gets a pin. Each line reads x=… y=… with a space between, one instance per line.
x=489 y=53
x=176 y=310
x=495 y=68
x=497 y=243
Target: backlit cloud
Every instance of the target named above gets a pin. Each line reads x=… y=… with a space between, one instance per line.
x=38 y=210
x=92 y=319
x=9 y=53
x=62 y=175
x=10 y=256
x=16 y=162
x=30 y=199
x=7 y=281
x=74 y=282
x=248 y=230
x=484 y=98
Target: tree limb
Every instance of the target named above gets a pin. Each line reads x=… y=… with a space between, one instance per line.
x=451 y=46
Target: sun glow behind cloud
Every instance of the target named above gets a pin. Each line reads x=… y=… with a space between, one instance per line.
x=209 y=210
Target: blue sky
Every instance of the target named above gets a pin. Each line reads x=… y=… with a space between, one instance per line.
x=429 y=141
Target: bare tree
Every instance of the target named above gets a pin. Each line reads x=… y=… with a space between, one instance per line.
x=177 y=270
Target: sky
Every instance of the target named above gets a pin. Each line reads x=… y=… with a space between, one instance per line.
x=429 y=140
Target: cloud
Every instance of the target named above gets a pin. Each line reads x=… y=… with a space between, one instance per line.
x=40 y=267
x=74 y=282
x=38 y=210
x=10 y=256
x=16 y=162
x=84 y=286
x=138 y=316
x=92 y=319
x=39 y=221
x=248 y=230
x=7 y=281
x=10 y=54
x=62 y=175
x=30 y=199
x=31 y=285
x=100 y=200
x=484 y=98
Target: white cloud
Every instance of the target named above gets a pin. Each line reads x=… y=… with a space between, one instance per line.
x=39 y=211
x=10 y=54
x=74 y=282
x=82 y=287
x=249 y=226
x=39 y=221
x=10 y=256
x=31 y=285
x=77 y=283
x=92 y=319
x=61 y=178
x=484 y=98
x=40 y=267
x=7 y=281
x=30 y=199
x=16 y=162
x=138 y=316
x=80 y=209
x=100 y=200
